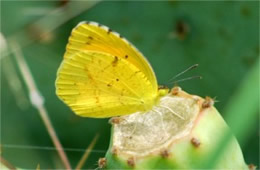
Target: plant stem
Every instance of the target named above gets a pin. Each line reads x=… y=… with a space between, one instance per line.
x=6 y=163
x=38 y=101
x=87 y=152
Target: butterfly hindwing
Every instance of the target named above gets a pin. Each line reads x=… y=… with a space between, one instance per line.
x=96 y=84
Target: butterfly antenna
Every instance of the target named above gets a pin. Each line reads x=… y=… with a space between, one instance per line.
x=188 y=69
x=188 y=78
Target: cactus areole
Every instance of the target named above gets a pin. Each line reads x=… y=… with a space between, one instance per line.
x=179 y=132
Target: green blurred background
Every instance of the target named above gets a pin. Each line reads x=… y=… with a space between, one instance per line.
x=222 y=37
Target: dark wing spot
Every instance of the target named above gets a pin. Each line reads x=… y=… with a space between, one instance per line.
x=90 y=76
x=131 y=162
x=88 y=43
x=126 y=56
x=117 y=79
x=89 y=37
x=109 y=30
x=97 y=99
x=115 y=61
x=108 y=85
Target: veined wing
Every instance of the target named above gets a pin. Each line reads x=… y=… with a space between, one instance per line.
x=91 y=36
x=96 y=84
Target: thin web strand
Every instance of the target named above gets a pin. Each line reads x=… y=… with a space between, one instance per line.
x=34 y=147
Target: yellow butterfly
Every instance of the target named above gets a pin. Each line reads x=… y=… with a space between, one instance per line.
x=103 y=75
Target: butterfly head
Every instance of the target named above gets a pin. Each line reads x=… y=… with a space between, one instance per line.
x=163 y=90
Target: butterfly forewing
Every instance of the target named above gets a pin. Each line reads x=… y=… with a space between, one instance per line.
x=95 y=37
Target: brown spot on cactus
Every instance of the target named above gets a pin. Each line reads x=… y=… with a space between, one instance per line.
x=165 y=153
x=131 y=162
x=195 y=142
x=175 y=90
x=114 y=151
x=252 y=167
x=208 y=102
x=115 y=120
x=102 y=162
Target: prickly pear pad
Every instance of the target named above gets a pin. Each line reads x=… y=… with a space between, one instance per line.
x=179 y=133
x=142 y=134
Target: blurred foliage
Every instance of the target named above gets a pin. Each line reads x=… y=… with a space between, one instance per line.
x=222 y=37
